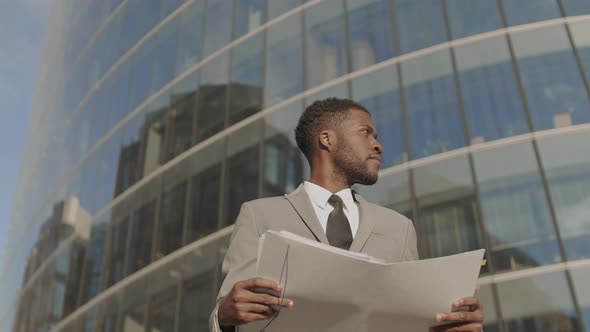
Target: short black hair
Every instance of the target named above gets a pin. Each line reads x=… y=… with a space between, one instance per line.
x=319 y=115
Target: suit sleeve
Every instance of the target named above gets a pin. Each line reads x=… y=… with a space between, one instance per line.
x=411 y=250
x=240 y=260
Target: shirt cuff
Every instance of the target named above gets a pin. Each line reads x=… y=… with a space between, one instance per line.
x=214 y=319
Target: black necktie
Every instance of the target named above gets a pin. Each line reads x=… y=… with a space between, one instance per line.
x=338 y=229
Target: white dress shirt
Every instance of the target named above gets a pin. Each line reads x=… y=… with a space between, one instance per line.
x=319 y=196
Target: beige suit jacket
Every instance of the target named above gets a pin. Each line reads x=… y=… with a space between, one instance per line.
x=382 y=233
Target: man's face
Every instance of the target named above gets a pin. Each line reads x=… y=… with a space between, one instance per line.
x=358 y=153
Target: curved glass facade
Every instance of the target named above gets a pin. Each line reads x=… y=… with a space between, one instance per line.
x=154 y=120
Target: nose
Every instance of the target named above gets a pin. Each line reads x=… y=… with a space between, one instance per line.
x=377 y=147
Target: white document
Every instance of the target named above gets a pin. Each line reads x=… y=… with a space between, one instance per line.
x=339 y=290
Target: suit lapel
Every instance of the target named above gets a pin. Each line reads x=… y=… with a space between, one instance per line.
x=366 y=224
x=302 y=205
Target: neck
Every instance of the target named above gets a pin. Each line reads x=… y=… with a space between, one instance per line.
x=331 y=181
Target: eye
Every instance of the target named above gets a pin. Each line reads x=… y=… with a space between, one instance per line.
x=365 y=130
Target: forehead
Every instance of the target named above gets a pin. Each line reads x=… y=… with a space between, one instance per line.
x=358 y=117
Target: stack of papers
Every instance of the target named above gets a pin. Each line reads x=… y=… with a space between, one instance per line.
x=338 y=290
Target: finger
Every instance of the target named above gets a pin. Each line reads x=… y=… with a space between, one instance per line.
x=467 y=304
x=267 y=299
x=254 y=283
x=467 y=301
x=460 y=316
x=256 y=308
x=470 y=327
x=444 y=328
x=249 y=317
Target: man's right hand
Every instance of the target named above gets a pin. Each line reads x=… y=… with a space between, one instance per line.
x=243 y=305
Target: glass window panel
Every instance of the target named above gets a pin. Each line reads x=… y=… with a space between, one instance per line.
x=117 y=245
x=163 y=311
x=217 y=31
x=581 y=38
x=391 y=191
x=165 y=55
x=141 y=73
x=77 y=89
x=74 y=272
x=279 y=7
x=141 y=237
x=181 y=115
x=116 y=101
x=190 y=36
x=284 y=166
x=110 y=42
x=212 y=98
x=108 y=310
x=249 y=15
x=198 y=299
x=580 y=277
x=370 y=32
x=205 y=190
x=128 y=172
x=470 y=17
x=539 y=303
x=379 y=93
x=88 y=183
x=413 y=34
x=133 y=318
x=107 y=169
x=169 y=6
x=576 y=7
x=141 y=17
x=491 y=97
x=81 y=135
x=153 y=134
x=434 y=119
x=83 y=323
x=566 y=159
x=555 y=92
x=55 y=286
x=325 y=42
x=246 y=81
x=447 y=215
x=242 y=165
x=486 y=298
x=99 y=115
x=73 y=185
x=339 y=90
x=93 y=261
x=172 y=212
x=284 y=62
x=522 y=12
x=141 y=230
x=514 y=208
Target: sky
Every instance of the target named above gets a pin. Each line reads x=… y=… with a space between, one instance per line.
x=22 y=31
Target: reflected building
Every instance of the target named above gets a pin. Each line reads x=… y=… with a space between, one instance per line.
x=68 y=222
x=154 y=121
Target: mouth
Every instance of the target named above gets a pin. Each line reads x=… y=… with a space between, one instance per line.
x=377 y=158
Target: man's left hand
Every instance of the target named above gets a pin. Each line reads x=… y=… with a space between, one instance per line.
x=470 y=319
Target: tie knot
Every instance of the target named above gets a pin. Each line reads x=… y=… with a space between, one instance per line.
x=335 y=201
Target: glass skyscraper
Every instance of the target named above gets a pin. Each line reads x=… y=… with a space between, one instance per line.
x=154 y=120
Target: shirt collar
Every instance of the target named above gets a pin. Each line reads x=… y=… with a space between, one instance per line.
x=320 y=195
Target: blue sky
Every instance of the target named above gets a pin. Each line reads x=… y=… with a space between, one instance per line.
x=22 y=29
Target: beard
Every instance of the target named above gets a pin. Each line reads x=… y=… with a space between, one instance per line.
x=353 y=168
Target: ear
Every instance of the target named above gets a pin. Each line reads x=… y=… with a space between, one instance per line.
x=327 y=140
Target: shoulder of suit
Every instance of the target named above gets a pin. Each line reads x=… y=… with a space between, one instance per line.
x=386 y=212
x=266 y=201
